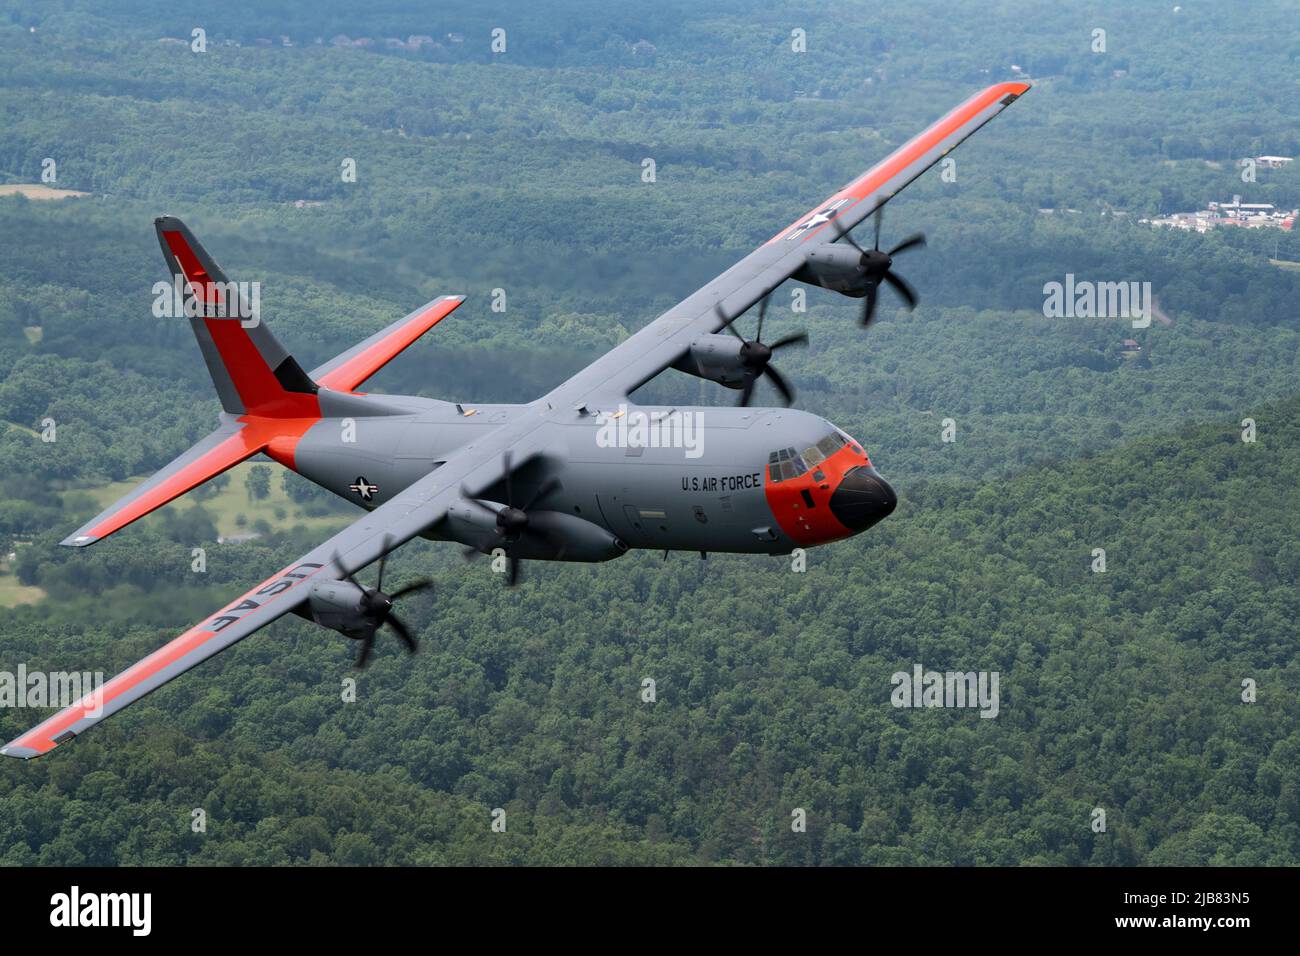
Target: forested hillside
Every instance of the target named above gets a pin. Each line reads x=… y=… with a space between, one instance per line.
x=1120 y=690
x=522 y=171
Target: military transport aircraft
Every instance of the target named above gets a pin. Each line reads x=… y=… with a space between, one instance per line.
x=563 y=478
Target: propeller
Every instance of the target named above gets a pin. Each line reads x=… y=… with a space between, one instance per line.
x=512 y=520
x=378 y=608
x=756 y=356
x=877 y=267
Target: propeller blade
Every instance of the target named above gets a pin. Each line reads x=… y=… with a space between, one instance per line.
x=781 y=384
x=367 y=645
x=726 y=322
x=506 y=460
x=902 y=288
x=549 y=486
x=762 y=314
x=395 y=623
x=512 y=572
x=383 y=560
x=413 y=588
x=347 y=575
x=844 y=234
x=464 y=493
x=880 y=211
x=799 y=338
x=908 y=243
x=869 y=305
x=747 y=392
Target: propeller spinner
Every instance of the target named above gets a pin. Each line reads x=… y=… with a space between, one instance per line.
x=512 y=524
x=878 y=266
x=377 y=610
x=756 y=356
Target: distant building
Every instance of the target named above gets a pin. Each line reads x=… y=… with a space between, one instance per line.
x=1243 y=215
x=1239 y=210
x=240 y=538
x=1272 y=162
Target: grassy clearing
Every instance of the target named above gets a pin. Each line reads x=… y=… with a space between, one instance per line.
x=12 y=593
x=39 y=191
x=278 y=510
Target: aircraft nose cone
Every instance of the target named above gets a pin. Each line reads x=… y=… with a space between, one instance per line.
x=862 y=498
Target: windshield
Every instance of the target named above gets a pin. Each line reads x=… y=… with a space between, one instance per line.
x=787 y=463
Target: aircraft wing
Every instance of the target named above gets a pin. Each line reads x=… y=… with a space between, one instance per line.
x=387 y=527
x=654 y=348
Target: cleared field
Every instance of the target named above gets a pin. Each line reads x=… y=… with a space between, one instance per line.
x=12 y=593
x=39 y=191
x=233 y=501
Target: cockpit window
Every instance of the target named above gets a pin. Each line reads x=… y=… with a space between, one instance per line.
x=830 y=444
x=786 y=463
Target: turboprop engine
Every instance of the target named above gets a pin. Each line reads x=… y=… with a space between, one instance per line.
x=541 y=536
x=358 y=612
x=522 y=532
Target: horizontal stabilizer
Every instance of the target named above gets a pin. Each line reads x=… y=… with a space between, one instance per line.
x=346 y=371
x=223 y=449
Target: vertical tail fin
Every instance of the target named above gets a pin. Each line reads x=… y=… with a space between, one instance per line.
x=252 y=372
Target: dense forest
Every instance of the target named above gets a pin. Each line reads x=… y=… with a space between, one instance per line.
x=522 y=171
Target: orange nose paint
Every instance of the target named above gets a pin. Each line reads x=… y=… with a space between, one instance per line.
x=801 y=505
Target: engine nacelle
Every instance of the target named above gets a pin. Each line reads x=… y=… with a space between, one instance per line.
x=558 y=536
x=835 y=267
x=716 y=358
x=550 y=535
x=340 y=606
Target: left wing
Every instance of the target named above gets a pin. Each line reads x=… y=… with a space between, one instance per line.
x=387 y=527
x=657 y=346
